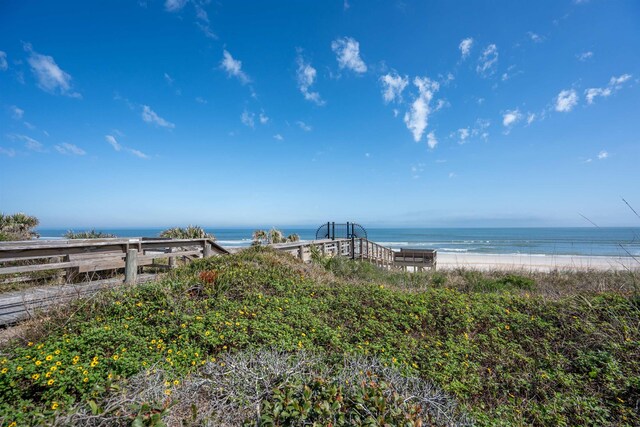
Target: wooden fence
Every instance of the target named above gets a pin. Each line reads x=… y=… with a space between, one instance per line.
x=93 y=255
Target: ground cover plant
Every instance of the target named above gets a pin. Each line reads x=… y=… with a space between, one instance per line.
x=495 y=348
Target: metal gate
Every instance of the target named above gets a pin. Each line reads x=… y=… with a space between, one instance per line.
x=332 y=230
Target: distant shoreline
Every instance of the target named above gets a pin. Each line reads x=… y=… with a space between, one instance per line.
x=541 y=262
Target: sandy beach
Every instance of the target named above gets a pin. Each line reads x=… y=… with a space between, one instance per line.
x=535 y=262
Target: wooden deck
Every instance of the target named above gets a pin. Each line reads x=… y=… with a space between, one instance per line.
x=67 y=259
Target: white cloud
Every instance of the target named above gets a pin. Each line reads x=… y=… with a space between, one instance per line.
x=396 y=112
x=488 y=61
x=615 y=84
x=566 y=100
x=536 y=38
x=452 y=175
x=66 y=148
x=306 y=76
x=463 y=135
x=51 y=78
x=114 y=143
x=10 y=152
x=530 y=118
x=584 y=56
x=417 y=118
x=347 y=52
x=3 y=61
x=416 y=170
x=150 y=116
x=203 y=20
x=305 y=127
x=247 y=119
x=30 y=143
x=137 y=153
x=168 y=79
x=233 y=67
x=278 y=137
x=174 y=5
x=431 y=140
x=603 y=155
x=511 y=117
x=393 y=85
x=465 y=47
x=16 y=113
x=263 y=119
x=201 y=100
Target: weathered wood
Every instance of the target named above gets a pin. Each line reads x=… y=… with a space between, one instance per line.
x=131 y=267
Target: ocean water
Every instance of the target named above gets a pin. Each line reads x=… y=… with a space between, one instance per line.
x=530 y=241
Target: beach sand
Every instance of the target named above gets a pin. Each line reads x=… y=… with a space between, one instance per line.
x=535 y=262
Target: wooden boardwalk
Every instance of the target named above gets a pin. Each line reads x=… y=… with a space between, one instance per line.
x=67 y=259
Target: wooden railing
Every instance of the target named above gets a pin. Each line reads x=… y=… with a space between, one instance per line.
x=360 y=249
x=92 y=255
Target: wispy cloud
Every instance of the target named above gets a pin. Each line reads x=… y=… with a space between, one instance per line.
x=417 y=118
x=233 y=67
x=531 y=117
x=603 y=155
x=51 y=78
x=510 y=118
x=584 y=56
x=113 y=142
x=302 y=125
x=16 y=113
x=201 y=100
x=203 y=20
x=465 y=47
x=614 y=85
x=566 y=100
x=278 y=137
x=3 y=61
x=431 y=140
x=69 y=149
x=393 y=85
x=536 y=38
x=174 y=5
x=247 y=119
x=463 y=135
x=150 y=116
x=137 y=153
x=9 y=152
x=306 y=77
x=347 y=52
x=264 y=119
x=168 y=79
x=488 y=61
x=29 y=143
x=416 y=170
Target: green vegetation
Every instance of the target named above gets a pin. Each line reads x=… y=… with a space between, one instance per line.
x=262 y=237
x=17 y=226
x=190 y=232
x=90 y=234
x=342 y=343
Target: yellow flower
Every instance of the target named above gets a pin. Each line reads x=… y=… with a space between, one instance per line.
x=49 y=358
x=110 y=376
x=53 y=368
x=75 y=359
x=94 y=363
x=19 y=368
x=116 y=357
x=30 y=344
x=50 y=382
x=167 y=392
x=507 y=327
x=54 y=405
x=85 y=379
x=57 y=352
x=35 y=376
x=58 y=363
x=38 y=363
x=176 y=382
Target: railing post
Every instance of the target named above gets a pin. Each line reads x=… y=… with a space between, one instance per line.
x=301 y=252
x=131 y=267
x=172 y=260
x=361 y=249
x=207 y=250
x=338 y=248
x=324 y=249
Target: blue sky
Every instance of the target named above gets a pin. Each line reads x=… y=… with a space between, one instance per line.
x=233 y=113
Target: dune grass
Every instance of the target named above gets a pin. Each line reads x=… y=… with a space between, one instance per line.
x=502 y=349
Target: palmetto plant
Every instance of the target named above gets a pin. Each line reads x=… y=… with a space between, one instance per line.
x=190 y=232
x=262 y=237
x=18 y=226
x=91 y=234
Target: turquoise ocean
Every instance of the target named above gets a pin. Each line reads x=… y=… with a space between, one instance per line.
x=604 y=241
